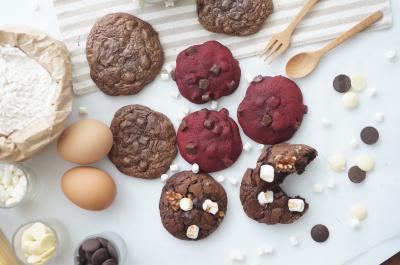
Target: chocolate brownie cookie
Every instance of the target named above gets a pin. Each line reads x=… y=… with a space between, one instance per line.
x=144 y=142
x=209 y=138
x=124 y=54
x=207 y=71
x=262 y=198
x=231 y=17
x=272 y=110
x=192 y=205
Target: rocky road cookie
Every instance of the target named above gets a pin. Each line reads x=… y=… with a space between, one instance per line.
x=192 y=205
x=262 y=198
x=144 y=142
x=233 y=17
x=209 y=138
x=124 y=54
x=272 y=110
x=206 y=72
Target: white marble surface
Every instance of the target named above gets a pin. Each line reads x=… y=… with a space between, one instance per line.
x=134 y=215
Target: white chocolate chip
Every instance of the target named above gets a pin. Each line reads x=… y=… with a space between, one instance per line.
x=192 y=232
x=294 y=241
x=214 y=105
x=265 y=250
x=390 y=54
x=260 y=147
x=326 y=122
x=317 y=188
x=265 y=197
x=233 y=181
x=186 y=204
x=354 y=223
x=220 y=178
x=372 y=92
x=331 y=184
x=379 y=117
x=174 y=167
x=195 y=168
x=267 y=173
x=354 y=143
x=358 y=83
x=164 y=177
x=365 y=162
x=83 y=110
x=337 y=163
x=247 y=147
x=237 y=256
x=296 y=205
x=174 y=94
x=359 y=212
x=210 y=206
x=350 y=100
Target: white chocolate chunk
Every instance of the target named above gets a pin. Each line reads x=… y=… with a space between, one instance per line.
x=38 y=231
x=296 y=205
x=359 y=212
x=365 y=162
x=354 y=223
x=48 y=254
x=237 y=256
x=214 y=105
x=164 y=177
x=265 y=197
x=350 y=100
x=174 y=167
x=83 y=110
x=358 y=83
x=186 y=204
x=195 y=168
x=294 y=241
x=267 y=173
x=317 y=188
x=337 y=163
x=48 y=241
x=247 y=147
x=34 y=259
x=220 y=178
x=354 y=143
x=379 y=117
x=210 y=206
x=192 y=232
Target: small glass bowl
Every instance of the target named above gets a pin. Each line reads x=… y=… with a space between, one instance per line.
x=32 y=186
x=113 y=238
x=54 y=225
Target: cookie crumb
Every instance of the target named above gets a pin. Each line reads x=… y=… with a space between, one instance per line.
x=164 y=177
x=294 y=241
x=350 y=100
x=83 y=110
x=195 y=168
x=379 y=117
x=354 y=143
x=214 y=105
x=220 y=178
x=233 y=181
x=317 y=188
x=326 y=122
x=247 y=147
x=174 y=167
x=337 y=163
x=237 y=256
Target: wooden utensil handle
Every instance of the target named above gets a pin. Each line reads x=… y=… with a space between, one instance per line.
x=309 y=4
x=372 y=19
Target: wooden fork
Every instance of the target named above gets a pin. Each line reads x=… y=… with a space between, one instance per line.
x=280 y=42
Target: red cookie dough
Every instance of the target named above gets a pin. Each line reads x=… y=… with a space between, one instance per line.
x=206 y=72
x=209 y=138
x=272 y=110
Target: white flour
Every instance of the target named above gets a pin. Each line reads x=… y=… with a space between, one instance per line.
x=27 y=92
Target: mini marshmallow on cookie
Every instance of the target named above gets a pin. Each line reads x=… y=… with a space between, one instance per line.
x=267 y=173
x=265 y=197
x=296 y=205
x=192 y=232
x=210 y=206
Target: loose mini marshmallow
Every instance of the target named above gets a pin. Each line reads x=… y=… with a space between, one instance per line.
x=195 y=168
x=296 y=205
x=265 y=197
x=174 y=167
x=233 y=181
x=186 y=204
x=220 y=178
x=358 y=83
x=174 y=93
x=331 y=184
x=237 y=256
x=210 y=206
x=354 y=143
x=265 y=250
x=350 y=100
x=164 y=76
x=294 y=241
x=185 y=110
x=214 y=105
x=192 y=232
x=260 y=147
x=267 y=173
x=164 y=177
x=365 y=162
x=337 y=163
x=379 y=117
x=390 y=54
x=317 y=188
x=247 y=147
x=372 y=92
x=83 y=110
x=326 y=122
x=354 y=223
x=359 y=212
x=181 y=115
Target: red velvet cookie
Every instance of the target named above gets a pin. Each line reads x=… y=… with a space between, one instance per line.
x=272 y=110
x=209 y=138
x=206 y=72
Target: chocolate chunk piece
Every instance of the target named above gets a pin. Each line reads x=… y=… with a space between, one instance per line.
x=215 y=70
x=369 y=135
x=266 y=120
x=357 y=175
x=99 y=256
x=91 y=245
x=209 y=124
x=342 y=83
x=97 y=251
x=320 y=233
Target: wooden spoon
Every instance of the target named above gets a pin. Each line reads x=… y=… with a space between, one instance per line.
x=304 y=63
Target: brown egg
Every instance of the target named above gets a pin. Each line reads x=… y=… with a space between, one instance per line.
x=85 y=142
x=89 y=188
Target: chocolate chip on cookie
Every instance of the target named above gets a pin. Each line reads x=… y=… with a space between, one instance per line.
x=124 y=54
x=239 y=18
x=206 y=72
x=260 y=194
x=209 y=138
x=144 y=142
x=192 y=205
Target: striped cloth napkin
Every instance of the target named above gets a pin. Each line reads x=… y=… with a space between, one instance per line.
x=178 y=26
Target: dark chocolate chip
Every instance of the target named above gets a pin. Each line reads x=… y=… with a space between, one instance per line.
x=103 y=242
x=190 y=51
x=356 y=174
x=266 y=120
x=342 y=83
x=209 y=124
x=258 y=79
x=369 y=135
x=112 y=250
x=99 y=256
x=110 y=262
x=191 y=148
x=215 y=70
x=91 y=245
x=319 y=233
x=204 y=83
x=231 y=84
x=205 y=97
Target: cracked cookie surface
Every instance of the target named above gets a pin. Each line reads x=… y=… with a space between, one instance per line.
x=198 y=188
x=234 y=17
x=124 y=54
x=286 y=159
x=144 y=142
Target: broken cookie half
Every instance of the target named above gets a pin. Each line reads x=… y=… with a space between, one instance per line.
x=262 y=198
